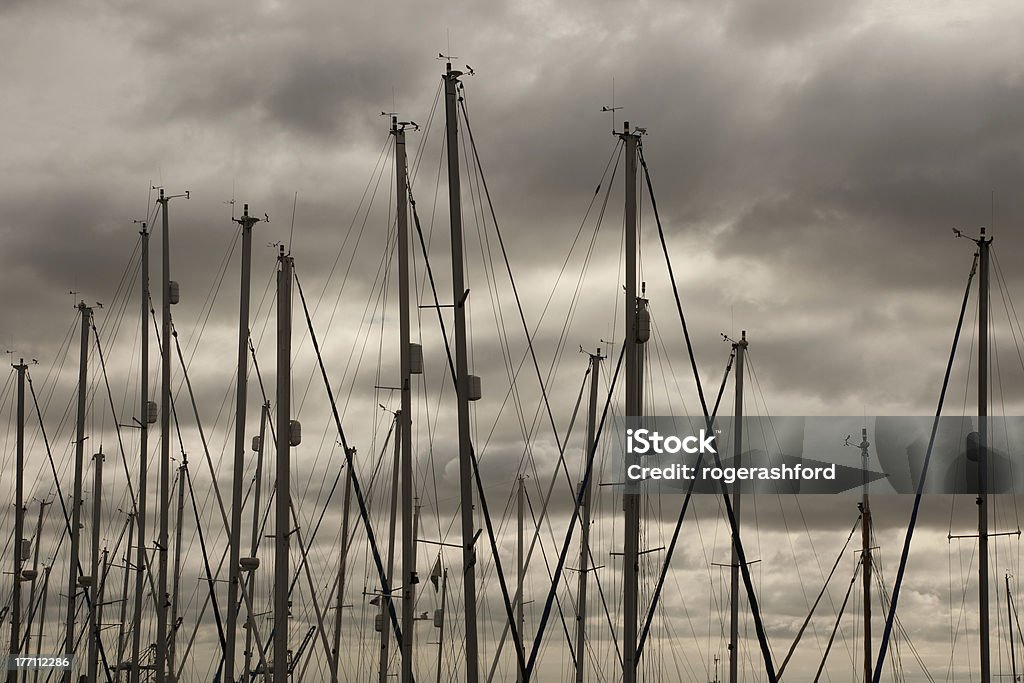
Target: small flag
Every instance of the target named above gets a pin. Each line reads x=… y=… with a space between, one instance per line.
x=435 y=573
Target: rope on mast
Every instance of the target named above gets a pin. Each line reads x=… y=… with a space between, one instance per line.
x=905 y=555
x=762 y=636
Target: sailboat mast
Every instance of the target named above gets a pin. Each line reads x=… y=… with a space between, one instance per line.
x=740 y=348
x=983 y=578
x=19 y=521
x=141 y=559
x=241 y=394
x=94 y=578
x=169 y=297
x=76 y=500
x=634 y=408
x=1009 y=617
x=42 y=618
x=283 y=491
x=585 y=494
x=123 y=617
x=172 y=649
x=257 y=486
x=520 y=566
x=33 y=577
x=865 y=555
x=460 y=294
x=409 y=578
x=385 y=598
x=444 y=616
x=342 y=568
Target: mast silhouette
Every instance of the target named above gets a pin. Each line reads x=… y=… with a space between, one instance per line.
x=865 y=554
x=634 y=410
x=76 y=499
x=983 y=578
x=19 y=522
x=740 y=348
x=520 y=566
x=404 y=417
x=460 y=294
x=286 y=437
x=585 y=494
x=94 y=572
x=146 y=418
x=385 y=598
x=169 y=297
x=241 y=394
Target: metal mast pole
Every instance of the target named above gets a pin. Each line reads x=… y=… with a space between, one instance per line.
x=140 y=518
x=385 y=598
x=983 y=579
x=585 y=494
x=1009 y=616
x=42 y=618
x=27 y=639
x=169 y=298
x=76 y=500
x=241 y=395
x=94 y=571
x=520 y=566
x=460 y=293
x=634 y=408
x=342 y=566
x=283 y=490
x=123 y=620
x=19 y=521
x=865 y=555
x=444 y=617
x=172 y=650
x=409 y=578
x=264 y=416
x=740 y=348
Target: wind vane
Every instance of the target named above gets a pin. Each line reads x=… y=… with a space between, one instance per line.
x=612 y=109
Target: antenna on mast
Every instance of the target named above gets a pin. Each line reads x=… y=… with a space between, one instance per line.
x=612 y=109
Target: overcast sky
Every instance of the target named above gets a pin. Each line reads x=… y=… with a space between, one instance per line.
x=810 y=160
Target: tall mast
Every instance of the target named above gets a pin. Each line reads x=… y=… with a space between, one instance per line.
x=581 y=599
x=740 y=348
x=983 y=579
x=33 y=576
x=94 y=578
x=258 y=479
x=409 y=578
x=168 y=298
x=865 y=554
x=19 y=522
x=385 y=598
x=520 y=566
x=443 y=613
x=283 y=489
x=172 y=650
x=76 y=500
x=123 y=620
x=241 y=394
x=634 y=408
x=342 y=567
x=42 y=618
x=141 y=559
x=1009 y=616
x=459 y=294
